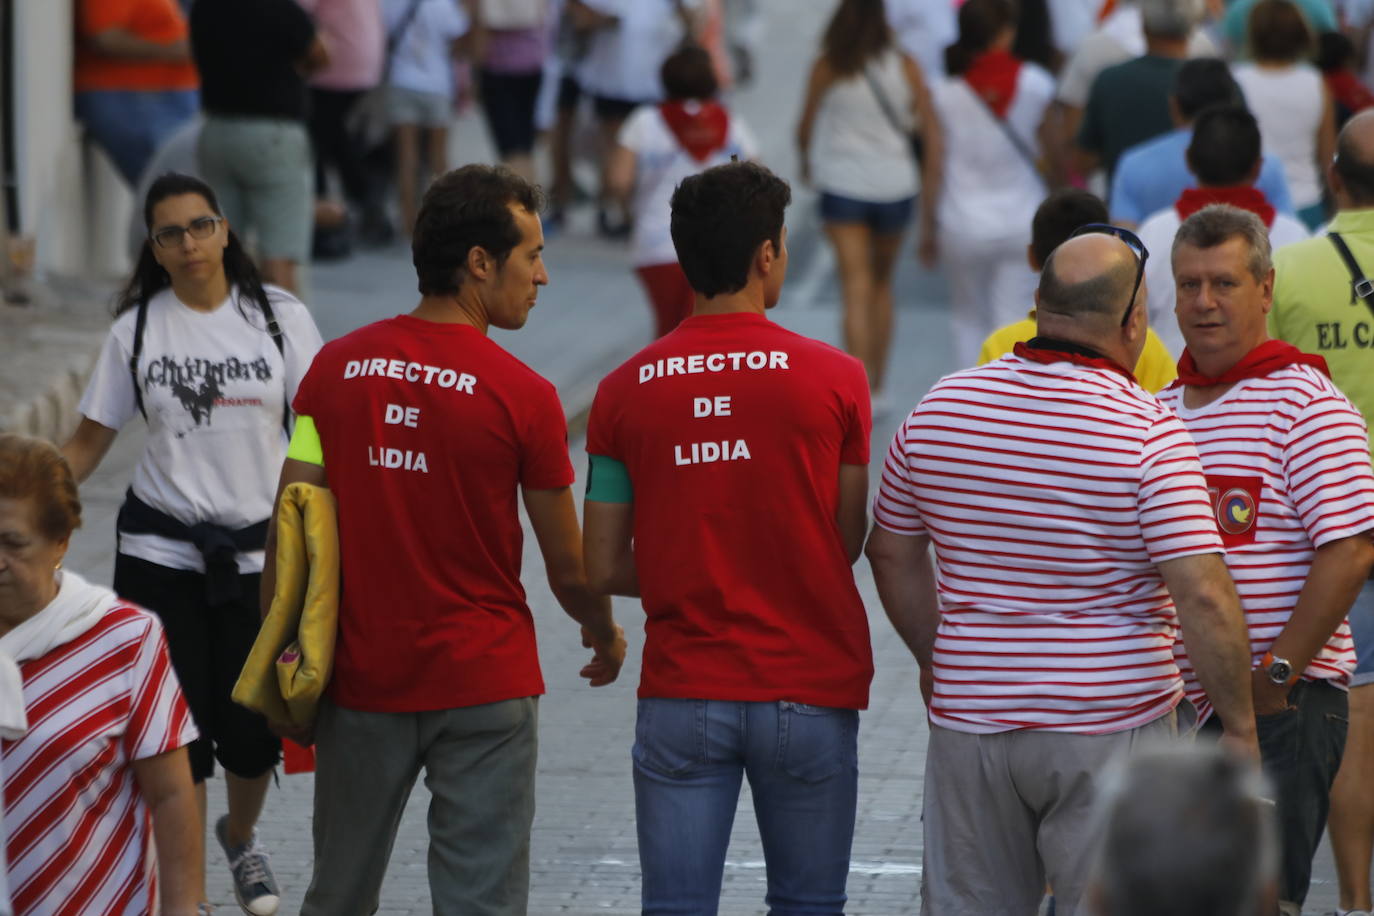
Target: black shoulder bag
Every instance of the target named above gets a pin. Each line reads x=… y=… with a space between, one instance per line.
x=1360 y=286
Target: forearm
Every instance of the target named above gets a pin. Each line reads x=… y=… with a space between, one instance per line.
x=1219 y=649
x=586 y=607
x=1339 y=570
x=86 y=447
x=117 y=42
x=905 y=579
x=178 y=840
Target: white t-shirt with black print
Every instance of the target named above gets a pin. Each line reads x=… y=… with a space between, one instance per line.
x=214 y=388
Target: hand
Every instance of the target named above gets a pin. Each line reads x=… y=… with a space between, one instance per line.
x=1241 y=742
x=1269 y=698
x=928 y=251
x=609 y=649
x=304 y=735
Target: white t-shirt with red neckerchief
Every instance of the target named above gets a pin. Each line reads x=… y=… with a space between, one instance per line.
x=1287 y=463
x=1050 y=492
x=76 y=824
x=733 y=431
x=428 y=432
x=661 y=163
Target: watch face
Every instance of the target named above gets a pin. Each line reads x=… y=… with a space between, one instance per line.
x=1280 y=671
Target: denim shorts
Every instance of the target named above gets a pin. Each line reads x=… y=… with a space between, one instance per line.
x=1362 y=628
x=886 y=218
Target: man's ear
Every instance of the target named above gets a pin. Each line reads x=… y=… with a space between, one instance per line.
x=766 y=257
x=479 y=263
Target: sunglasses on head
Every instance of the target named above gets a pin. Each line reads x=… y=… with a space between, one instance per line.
x=1133 y=242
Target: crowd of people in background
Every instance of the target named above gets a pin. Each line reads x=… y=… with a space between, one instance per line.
x=1126 y=198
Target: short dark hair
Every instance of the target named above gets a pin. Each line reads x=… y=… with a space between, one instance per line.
x=688 y=73
x=1202 y=82
x=720 y=218
x=1355 y=170
x=1335 y=52
x=1277 y=31
x=1059 y=215
x=464 y=209
x=1225 y=147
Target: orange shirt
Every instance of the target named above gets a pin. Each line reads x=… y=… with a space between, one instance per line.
x=152 y=20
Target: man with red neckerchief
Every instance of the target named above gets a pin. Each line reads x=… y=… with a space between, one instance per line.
x=1225 y=159
x=1287 y=464
x=1066 y=507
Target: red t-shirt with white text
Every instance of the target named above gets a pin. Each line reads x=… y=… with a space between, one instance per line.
x=428 y=430
x=733 y=431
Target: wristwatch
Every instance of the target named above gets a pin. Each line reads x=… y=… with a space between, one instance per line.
x=1279 y=670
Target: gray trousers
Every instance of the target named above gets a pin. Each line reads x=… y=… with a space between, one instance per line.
x=479 y=764
x=1008 y=812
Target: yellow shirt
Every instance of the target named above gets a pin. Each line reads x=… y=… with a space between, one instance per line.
x=1154 y=370
x=1315 y=308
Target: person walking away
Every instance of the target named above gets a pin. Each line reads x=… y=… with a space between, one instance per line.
x=658 y=147
x=865 y=99
x=210 y=357
x=1296 y=115
x=992 y=113
x=1224 y=157
x=254 y=148
x=729 y=468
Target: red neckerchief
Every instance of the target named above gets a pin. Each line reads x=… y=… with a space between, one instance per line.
x=1349 y=91
x=1048 y=350
x=993 y=76
x=1246 y=197
x=1268 y=357
x=700 y=128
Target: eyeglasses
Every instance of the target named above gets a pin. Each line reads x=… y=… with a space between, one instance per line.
x=1133 y=242
x=172 y=236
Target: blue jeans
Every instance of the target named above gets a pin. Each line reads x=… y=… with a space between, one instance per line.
x=803 y=768
x=131 y=125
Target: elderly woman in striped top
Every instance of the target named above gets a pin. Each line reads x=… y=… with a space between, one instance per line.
x=94 y=724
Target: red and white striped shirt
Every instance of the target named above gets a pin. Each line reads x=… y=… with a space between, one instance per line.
x=76 y=824
x=1050 y=491
x=1287 y=461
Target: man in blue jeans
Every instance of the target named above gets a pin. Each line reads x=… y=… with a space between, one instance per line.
x=727 y=489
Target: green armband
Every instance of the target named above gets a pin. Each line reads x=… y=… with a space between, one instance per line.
x=608 y=481
x=305 y=443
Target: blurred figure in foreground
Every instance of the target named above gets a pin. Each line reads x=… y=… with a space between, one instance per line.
x=1190 y=832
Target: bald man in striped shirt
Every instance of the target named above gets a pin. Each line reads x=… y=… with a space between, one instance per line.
x=1069 y=516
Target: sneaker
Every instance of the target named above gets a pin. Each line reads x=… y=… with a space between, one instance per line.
x=255 y=887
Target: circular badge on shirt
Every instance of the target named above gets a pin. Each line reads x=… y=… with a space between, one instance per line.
x=1236 y=511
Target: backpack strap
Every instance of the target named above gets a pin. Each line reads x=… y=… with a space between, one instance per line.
x=1360 y=286
x=140 y=323
x=275 y=330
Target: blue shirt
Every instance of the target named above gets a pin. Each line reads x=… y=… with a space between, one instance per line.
x=1151 y=175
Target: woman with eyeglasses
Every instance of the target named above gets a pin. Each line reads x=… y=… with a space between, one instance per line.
x=211 y=358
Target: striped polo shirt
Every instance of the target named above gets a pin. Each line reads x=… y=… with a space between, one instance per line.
x=1287 y=464
x=1049 y=491
x=76 y=824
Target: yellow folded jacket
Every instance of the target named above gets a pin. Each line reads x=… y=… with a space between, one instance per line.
x=289 y=667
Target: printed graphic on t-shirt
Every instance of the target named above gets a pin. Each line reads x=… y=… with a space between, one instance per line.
x=200 y=386
x=1236 y=502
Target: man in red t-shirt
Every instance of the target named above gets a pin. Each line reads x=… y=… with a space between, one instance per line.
x=425 y=430
x=729 y=476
